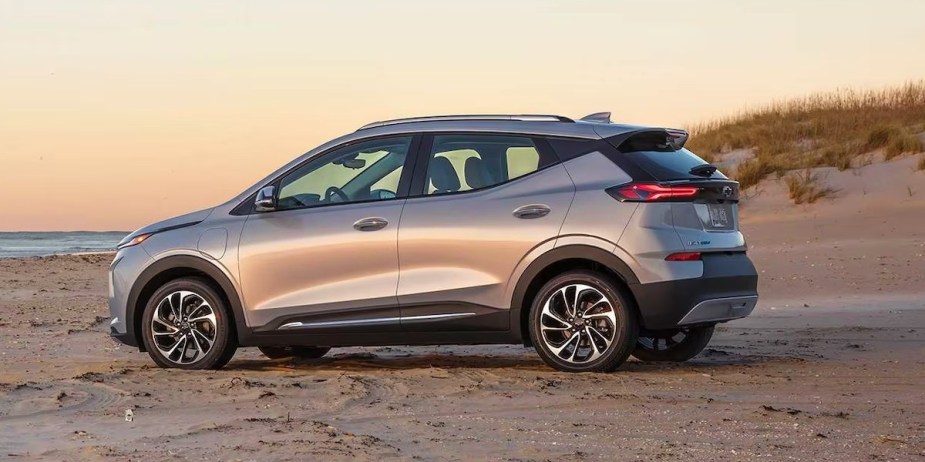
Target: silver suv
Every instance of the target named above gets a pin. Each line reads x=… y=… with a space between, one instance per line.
x=588 y=240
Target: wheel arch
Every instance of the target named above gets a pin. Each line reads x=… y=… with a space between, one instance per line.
x=174 y=267
x=555 y=262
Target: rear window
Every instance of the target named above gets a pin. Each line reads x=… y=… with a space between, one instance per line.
x=669 y=165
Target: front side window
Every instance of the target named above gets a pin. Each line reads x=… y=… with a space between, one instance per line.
x=365 y=171
x=466 y=162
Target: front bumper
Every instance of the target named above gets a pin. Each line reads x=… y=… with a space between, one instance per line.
x=728 y=289
x=123 y=272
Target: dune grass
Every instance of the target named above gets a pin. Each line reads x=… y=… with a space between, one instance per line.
x=821 y=130
x=807 y=187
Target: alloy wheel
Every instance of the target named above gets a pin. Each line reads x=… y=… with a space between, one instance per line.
x=578 y=323
x=184 y=327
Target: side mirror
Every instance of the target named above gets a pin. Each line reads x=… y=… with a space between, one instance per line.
x=264 y=202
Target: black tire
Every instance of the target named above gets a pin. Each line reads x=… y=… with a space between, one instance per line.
x=624 y=328
x=302 y=352
x=224 y=341
x=675 y=345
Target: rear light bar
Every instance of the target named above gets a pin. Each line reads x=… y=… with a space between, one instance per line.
x=684 y=256
x=651 y=192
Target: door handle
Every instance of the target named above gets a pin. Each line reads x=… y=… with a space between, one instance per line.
x=370 y=224
x=532 y=211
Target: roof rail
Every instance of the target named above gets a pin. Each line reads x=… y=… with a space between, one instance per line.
x=466 y=117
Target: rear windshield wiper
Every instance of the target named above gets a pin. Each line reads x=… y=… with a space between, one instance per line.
x=703 y=170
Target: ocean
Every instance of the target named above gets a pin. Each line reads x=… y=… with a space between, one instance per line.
x=33 y=244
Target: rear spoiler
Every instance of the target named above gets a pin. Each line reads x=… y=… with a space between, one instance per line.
x=651 y=139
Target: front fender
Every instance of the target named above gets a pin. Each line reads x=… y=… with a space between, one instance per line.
x=170 y=267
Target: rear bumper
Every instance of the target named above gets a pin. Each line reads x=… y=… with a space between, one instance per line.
x=727 y=290
x=720 y=309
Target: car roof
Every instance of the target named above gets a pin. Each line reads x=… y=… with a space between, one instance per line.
x=528 y=124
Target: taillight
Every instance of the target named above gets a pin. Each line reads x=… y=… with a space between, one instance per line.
x=651 y=192
x=684 y=256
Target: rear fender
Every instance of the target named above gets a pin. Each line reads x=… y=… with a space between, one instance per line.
x=559 y=254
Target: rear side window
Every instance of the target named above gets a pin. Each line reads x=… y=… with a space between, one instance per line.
x=465 y=162
x=669 y=165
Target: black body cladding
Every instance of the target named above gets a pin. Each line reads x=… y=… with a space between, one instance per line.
x=725 y=274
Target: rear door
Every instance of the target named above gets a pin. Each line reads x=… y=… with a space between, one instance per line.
x=483 y=201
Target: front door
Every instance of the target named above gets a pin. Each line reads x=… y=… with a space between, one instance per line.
x=326 y=259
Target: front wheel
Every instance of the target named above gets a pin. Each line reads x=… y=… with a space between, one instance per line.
x=673 y=345
x=580 y=321
x=187 y=325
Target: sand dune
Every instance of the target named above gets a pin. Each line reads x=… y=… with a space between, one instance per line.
x=830 y=367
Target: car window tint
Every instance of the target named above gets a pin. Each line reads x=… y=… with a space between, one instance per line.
x=360 y=172
x=457 y=159
x=521 y=161
x=388 y=182
x=461 y=163
x=669 y=165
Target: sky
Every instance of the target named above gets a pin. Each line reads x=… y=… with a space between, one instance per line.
x=115 y=114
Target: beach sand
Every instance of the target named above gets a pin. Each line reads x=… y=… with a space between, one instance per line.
x=831 y=366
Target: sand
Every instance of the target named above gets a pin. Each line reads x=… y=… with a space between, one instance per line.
x=829 y=367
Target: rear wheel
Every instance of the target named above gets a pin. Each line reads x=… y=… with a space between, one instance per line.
x=673 y=344
x=580 y=321
x=304 y=352
x=186 y=325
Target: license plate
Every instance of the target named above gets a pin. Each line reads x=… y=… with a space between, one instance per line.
x=719 y=215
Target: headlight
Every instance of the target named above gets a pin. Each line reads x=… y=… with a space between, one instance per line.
x=135 y=241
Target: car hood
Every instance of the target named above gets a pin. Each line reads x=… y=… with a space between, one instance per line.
x=181 y=221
